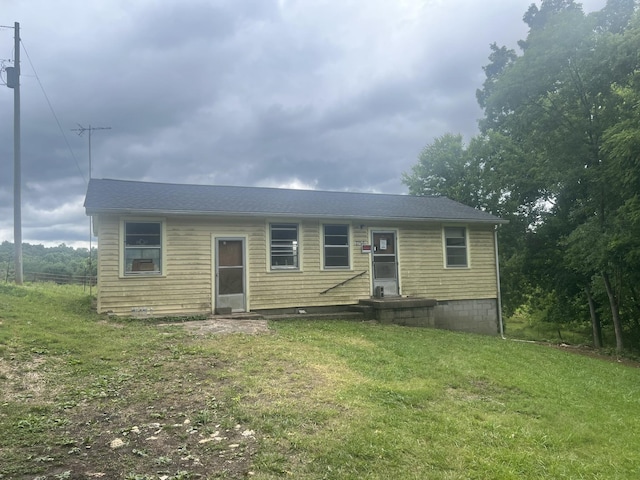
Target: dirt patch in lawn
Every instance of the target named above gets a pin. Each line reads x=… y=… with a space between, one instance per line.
x=169 y=417
x=25 y=380
x=224 y=326
x=176 y=444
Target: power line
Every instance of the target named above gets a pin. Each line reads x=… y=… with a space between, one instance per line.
x=66 y=141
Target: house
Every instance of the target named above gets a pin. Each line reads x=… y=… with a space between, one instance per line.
x=170 y=249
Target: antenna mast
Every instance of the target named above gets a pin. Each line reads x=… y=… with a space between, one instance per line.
x=89 y=129
x=80 y=131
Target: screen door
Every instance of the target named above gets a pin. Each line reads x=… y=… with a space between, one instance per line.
x=230 y=274
x=385 y=263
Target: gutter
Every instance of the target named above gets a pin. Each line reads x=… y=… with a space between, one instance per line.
x=142 y=212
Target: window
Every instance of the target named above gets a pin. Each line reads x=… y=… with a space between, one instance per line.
x=142 y=248
x=456 y=246
x=336 y=246
x=284 y=246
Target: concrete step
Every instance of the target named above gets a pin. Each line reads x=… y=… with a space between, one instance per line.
x=367 y=310
x=238 y=316
x=343 y=315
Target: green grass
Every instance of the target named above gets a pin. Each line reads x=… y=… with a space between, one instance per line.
x=526 y=326
x=519 y=326
x=324 y=400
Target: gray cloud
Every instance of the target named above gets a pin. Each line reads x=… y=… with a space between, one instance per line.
x=330 y=95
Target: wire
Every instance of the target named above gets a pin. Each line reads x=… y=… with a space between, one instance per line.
x=53 y=113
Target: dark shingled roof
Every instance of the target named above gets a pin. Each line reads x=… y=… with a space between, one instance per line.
x=120 y=196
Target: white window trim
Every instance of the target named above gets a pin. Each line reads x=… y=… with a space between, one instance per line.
x=467 y=248
x=349 y=248
x=284 y=268
x=163 y=248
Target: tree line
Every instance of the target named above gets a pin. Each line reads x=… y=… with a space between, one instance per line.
x=55 y=262
x=558 y=155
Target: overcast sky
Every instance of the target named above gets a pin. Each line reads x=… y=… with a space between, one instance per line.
x=318 y=94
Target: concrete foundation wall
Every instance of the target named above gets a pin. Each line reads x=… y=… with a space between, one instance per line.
x=476 y=316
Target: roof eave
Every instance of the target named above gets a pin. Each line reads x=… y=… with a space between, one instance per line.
x=143 y=212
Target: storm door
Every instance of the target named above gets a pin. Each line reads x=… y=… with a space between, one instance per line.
x=385 y=263
x=230 y=274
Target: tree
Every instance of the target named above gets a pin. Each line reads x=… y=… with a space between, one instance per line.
x=558 y=102
x=445 y=167
x=59 y=260
x=501 y=58
x=557 y=157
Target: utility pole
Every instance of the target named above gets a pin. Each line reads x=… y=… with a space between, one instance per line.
x=13 y=81
x=80 y=131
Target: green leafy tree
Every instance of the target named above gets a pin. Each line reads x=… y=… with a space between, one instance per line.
x=557 y=156
x=558 y=102
x=445 y=167
x=60 y=260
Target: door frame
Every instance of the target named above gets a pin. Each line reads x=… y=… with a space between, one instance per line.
x=214 y=274
x=372 y=232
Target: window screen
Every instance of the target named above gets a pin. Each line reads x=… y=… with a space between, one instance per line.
x=284 y=246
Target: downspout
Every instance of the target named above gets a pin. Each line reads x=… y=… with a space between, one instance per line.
x=499 y=299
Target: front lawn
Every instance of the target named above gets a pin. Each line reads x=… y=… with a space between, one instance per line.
x=82 y=396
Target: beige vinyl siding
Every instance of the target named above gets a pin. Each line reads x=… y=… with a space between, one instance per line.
x=155 y=294
x=186 y=284
x=422 y=266
x=304 y=287
x=107 y=261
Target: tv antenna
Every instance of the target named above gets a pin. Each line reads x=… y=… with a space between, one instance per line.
x=81 y=131
x=89 y=129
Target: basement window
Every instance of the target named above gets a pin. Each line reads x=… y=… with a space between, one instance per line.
x=336 y=246
x=142 y=248
x=284 y=246
x=455 y=239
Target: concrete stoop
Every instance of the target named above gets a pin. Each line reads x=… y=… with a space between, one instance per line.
x=410 y=311
x=475 y=315
x=400 y=310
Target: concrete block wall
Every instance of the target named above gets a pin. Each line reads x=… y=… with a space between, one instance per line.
x=473 y=316
x=412 y=317
x=476 y=316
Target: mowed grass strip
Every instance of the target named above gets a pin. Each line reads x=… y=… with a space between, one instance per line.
x=334 y=400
